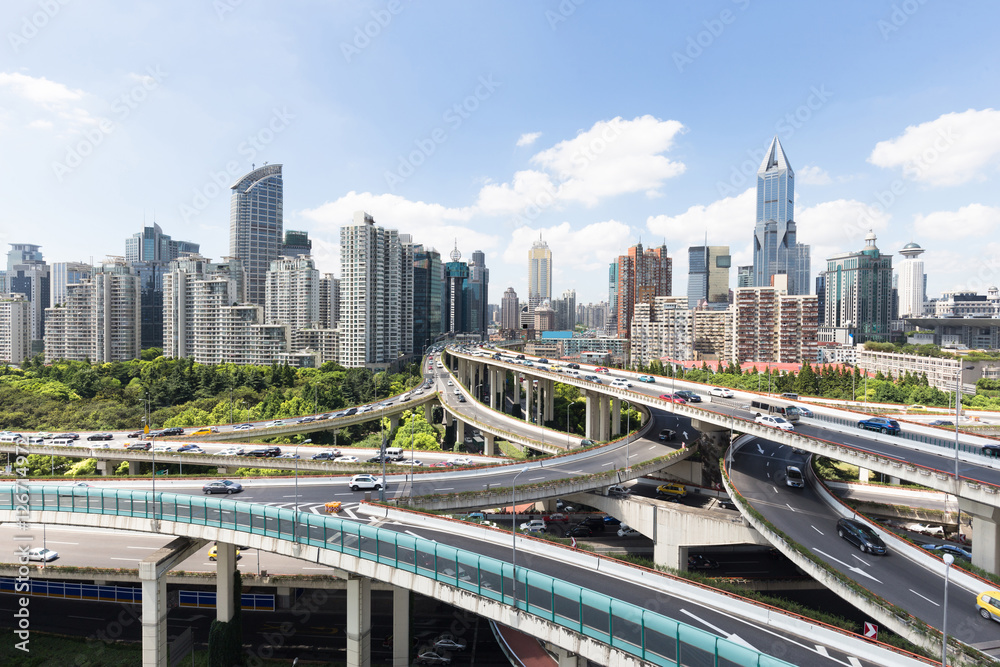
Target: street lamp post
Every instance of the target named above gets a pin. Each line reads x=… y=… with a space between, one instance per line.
x=948 y=560
x=295 y=453
x=513 y=530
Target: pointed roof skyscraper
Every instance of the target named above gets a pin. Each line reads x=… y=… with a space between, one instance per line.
x=775 y=158
x=776 y=250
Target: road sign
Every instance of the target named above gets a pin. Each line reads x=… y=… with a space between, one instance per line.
x=871 y=631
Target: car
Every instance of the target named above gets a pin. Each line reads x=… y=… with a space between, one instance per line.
x=800 y=411
x=460 y=398
x=162 y=448
x=587 y=442
x=957 y=552
x=433 y=658
x=689 y=396
x=365 y=481
x=222 y=486
x=450 y=383
x=791 y=396
x=448 y=642
x=621 y=382
x=68 y=489
x=276 y=422
x=101 y=436
x=346 y=459
x=926 y=529
x=674 y=489
x=601 y=369
x=289 y=455
x=173 y=430
x=265 y=452
x=575 y=366
x=416 y=463
x=71 y=436
x=305 y=420
x=699 y=562
x=543 y=360
x=100 y=445
x=988 y=605
x=557 y=517
x=774 y=422
x=579 y=530
x=625 y=531
x=243 y=427
x=618 y=491
x=794 y=478
x=42 y=554
x=213 y=553
x=378 y=458
x=941 y=422
x=45 y=435
x=673 y=398
x=667 y=434
x=595 y=523
x=861 y=535
x=991 y=449
x=326 y=455
x=880 y=424
x=440 y=464
x=647 y=378
x=207 y=430
x=152 y=434
x=191 y=449
x=592 y=378
x=461 y=461
x=136 y=434
x=533 y=526
x=231 y=451
x=139 y=446
x=721 y=392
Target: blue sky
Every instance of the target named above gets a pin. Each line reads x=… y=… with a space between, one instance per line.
x=596 y=124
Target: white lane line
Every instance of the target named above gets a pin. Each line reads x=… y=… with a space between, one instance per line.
x=131 y=560
x=731 y=637
x=291 y=496
x=450 y=488
x=790 y=507
x=816 y=529
x=150 y=548
x=773 y=487
x=316 y=568
x=861 y=560
x=854 y=661
x=54 y=542
x=609 y=463
x=925 y=597
x=856 y=570
x=822 y=651
x=534 y=479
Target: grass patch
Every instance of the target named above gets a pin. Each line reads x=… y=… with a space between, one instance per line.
x=834 y=470
x=510 y=450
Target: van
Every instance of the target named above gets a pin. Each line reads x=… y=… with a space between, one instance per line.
x=791 y=396
x=769 y=408
x=61 y=442
x=394 y=453
x=12 y=437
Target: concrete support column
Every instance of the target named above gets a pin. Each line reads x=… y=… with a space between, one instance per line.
x=133 y=468
x=283 y=597
x=429 y=411
x=528 y=393
x=459 y=432
x=154 y=616
x=359 y=622
x=493 y=388
x=565 y=658
x=103 y=467
x=400 y=627
x=489 y=444
x=550 y=404
x=605 y=417
x=589 y=419
x=393 y=422
x=863 y=474
x=517 y=388
x=986 y=537
x=616 y=415
x=670 y=555
x=225 y=566
x=540 y=403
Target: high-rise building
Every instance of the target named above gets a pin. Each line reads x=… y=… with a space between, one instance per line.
x=296 y=244
x=708 y=276
x=152 y=245
x=744 y=276
x=821 y=296
x=539 y=273
x=642 y=276
x=456 y=294
x=100 y=318
x=63 y=274
x=713 y=335
x=545 y=317
x=329 y=301
x=371 y=294
x=509 y=310
x=195 y=290
x=772 y=326
x=662 y=328
x=428 y=297
x=479 y=285
x=775 y=248
x=28 y=274
x=565 y=310
x=858 y=296
x=611 y=318
x=911 y=281
x=293 y=293
x=15 y=329
x=593 y=315
x=256 y=226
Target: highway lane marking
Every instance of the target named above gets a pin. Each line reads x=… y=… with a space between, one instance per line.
x=856 y=570
x=925 y=597
x=759 y=448
x=822 y=651
x=451 y=488
x=816 y=529
x=854 y=661
x=731 y=637
x=789 y=507
x=131 y=560
x=609 y=463
x=150 y=548
x=861 y=560
x=773 y=487
x=54 y=542
x=410 y=532
x=316 y=568
x=534 y=479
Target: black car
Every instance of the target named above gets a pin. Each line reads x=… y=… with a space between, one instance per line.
x=689 y=396
x=136 y=434
x=575 y=366
x=265 y=452
x=380 y=458
x=71 y=436
x=595 y=523
x=101 y=436
x=579 y=530
x=151 y=434
x=305 y=420
x=940 y=422
x=351 y=411
x=699 y=562
x=172 y=430
x=520 y=356
x=222 y=486
x=991 y=449
x=667 y=434
x=324 y=456
x=861 y=536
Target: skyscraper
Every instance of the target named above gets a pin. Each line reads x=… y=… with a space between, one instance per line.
x=539 y=273
x=642 y=276
x=479 y=285
x=775 y=248
x=509 y=310
x=15 y=332
x=744 y=276
x=911 y=281
x=63 y=274
x=371 y=295
x=456 y=294
x=195 y=290
x=611 y=317
x=28 y=274
x=428 y=297
x=296 y=244
x=152 y=245
x=858 y=296
x=256 y=226
x=708 y=276
x=293 y=293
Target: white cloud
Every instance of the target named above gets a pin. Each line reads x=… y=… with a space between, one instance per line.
x=813 y=175
x=39 y=89
x=953 y=149
x=727 y=221
x=839 y=225
x=528 y=138
x=40 y=124
x=974 y=220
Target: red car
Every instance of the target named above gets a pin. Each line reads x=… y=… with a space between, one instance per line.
x=601 y=369
x=673 y=398
x=440 y=464
x=559 y=517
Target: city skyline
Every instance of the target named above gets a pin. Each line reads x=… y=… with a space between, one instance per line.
x=494 y=151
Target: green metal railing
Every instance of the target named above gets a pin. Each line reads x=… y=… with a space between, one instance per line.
x=623 y=625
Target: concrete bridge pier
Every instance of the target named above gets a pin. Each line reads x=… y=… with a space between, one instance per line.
x=493 y=387
x=133 y=468
x=152 y=573
x=400 y=627
x=517 y=388
x=540 y=403
x=489 y=444
x=616 y=416
x=604 y=416
x=986 y=545
x=550 y=400
x=393 y=422
x=104 y=468
x=359 y=622
x=459 y=432
x=429 y=411
x=718 y=433
x=590 y=428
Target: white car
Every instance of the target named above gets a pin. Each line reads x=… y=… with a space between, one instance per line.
x=621 y=382
x=450 y=383
x=42 y=554
x=721 y=392
x=775 y=422
x=460 y=461
x=625 y=531
x=346 y=459
x=163 y=448
x=409 y=462
x=276 y=422
x=231 y=451
x=533 y=526
x=99 y=445
x=365 y=482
